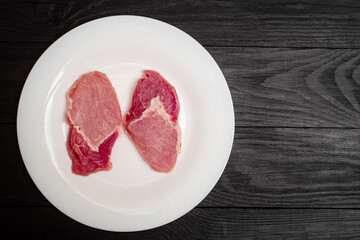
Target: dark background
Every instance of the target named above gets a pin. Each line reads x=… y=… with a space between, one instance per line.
x=293 y=69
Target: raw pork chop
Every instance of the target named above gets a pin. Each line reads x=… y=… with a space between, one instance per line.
x=152 y=121
x=94 y=117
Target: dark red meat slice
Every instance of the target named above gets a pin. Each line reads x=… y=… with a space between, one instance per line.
x=152 y=121
x=94 y=117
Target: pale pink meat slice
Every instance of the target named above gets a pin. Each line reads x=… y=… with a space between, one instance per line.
x=93 y=108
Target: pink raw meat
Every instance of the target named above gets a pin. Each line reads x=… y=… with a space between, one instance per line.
x=95 y=120
x=152 y=121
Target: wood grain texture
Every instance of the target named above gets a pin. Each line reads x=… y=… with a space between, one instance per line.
x=268 y=167
x=291 y=167
x=273 y=87
x=16 y=62
x=220 y=23
x=292 y=87
x=215 y=223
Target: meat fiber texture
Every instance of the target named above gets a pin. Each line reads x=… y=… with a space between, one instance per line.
x=152 y=121
x=94 y=116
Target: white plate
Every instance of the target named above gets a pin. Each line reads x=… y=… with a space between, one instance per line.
x=131 y=196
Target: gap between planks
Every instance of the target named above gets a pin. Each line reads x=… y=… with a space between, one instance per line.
x=49 y=43
x=205 y=207
x=260 y=127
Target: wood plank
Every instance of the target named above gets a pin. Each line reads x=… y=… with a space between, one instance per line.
x=292 y=87
x=291 y=167
x=273 y=87
x=218 y=23
x=16 y=63
x=268 y=167
x=211 y=223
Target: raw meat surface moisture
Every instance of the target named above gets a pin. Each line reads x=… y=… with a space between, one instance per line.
x=152 y=121
x=94 y=116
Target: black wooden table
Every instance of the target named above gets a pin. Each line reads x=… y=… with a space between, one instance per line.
x=293 y=69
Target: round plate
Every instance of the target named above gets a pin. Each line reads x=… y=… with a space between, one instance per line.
x=131 y=196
